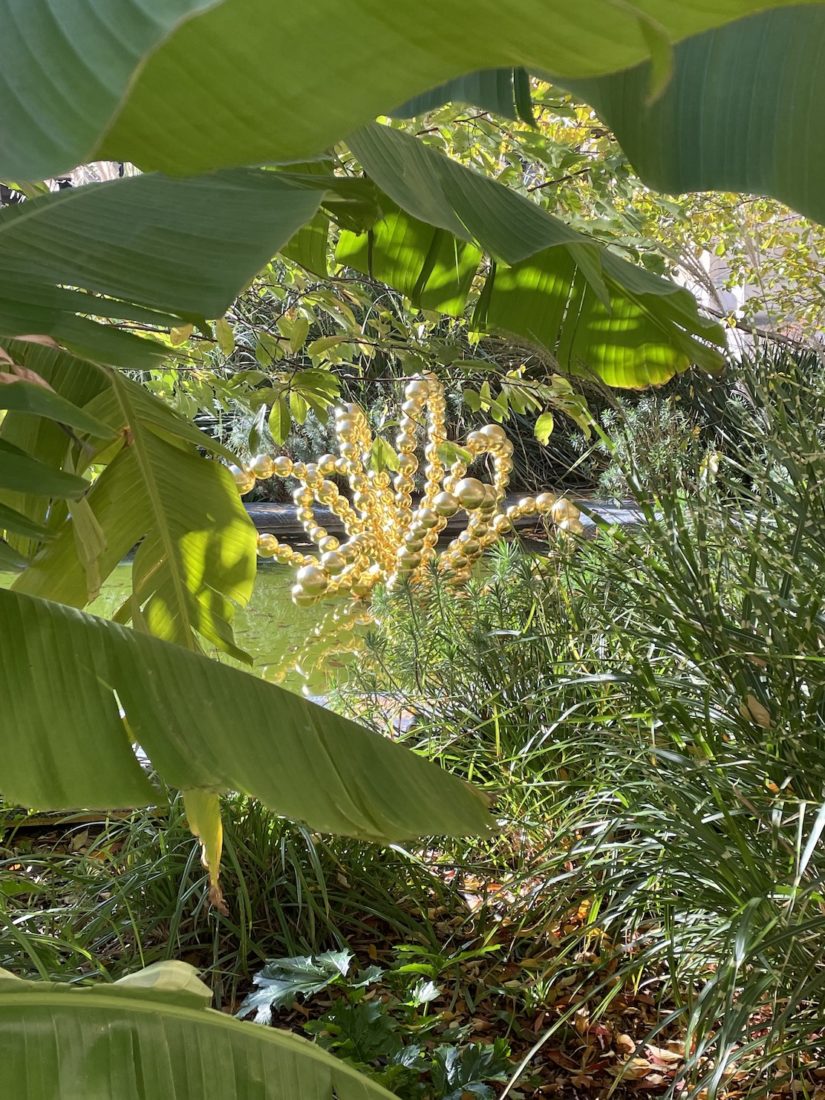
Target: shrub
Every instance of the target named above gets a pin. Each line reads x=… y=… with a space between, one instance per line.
x=652 y=710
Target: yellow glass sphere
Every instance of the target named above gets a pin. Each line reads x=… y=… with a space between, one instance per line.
x=545 y=501
x=490 y=497
x=262 y=466
x=327 y=543
x=407 y=560
x=494 y=434
x=282 y=466
x=407 y=464
x=284 y=555
x=244 y=479
x=564 y=509
x=572 y=526
x=470 y=493
x=268 y=545
x=527 y=505
x=300 y=596
x=312 y=579
x=445 y=504
x=471 y=547
x=333 y=562
x=501 y=524
x=417 y=389
x=426 y=518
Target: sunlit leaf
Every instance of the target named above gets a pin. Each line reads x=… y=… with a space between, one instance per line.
x=203 y=725
x=544 y=427
x=190 y=85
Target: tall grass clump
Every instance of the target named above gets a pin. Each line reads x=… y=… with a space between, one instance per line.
x=650 y=711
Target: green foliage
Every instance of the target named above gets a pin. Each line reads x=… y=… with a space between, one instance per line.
x=707 y=104
x=652 y=709
x=369 y=1024
x=151 y=487
x=656 y=442
x=234 y=97
x=149 y=256
x=448 y=213
x=125 y=890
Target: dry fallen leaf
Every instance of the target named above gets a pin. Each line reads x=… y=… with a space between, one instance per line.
x=756 y=712
x=625 y=1044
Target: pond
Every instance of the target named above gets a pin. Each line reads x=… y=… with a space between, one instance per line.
x=266 y=628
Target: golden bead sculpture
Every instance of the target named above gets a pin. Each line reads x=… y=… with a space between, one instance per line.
x=388 y=537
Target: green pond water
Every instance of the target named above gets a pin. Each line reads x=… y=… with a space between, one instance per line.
x=266 y=628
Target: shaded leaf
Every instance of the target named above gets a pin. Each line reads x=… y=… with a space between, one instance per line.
x=697 y=135
x=43 y=401
x=225 y=335
x=23 y=474
x=203 y=725
x=150 y=245
x=504 y=92
x=280 y=420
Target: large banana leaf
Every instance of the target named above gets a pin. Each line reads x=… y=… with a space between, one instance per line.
x=154 y=244
x=196 y=555
x=503 y=92
x=159 y=249
x=744 y=111
x=76 y=689
x=191 y=85
x=152 y=1036
x=548 y=284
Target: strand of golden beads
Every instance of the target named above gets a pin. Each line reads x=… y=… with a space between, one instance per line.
x=388 y=536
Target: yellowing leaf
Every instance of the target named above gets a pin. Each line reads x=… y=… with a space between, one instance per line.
x=544 y=427
x=225 y=335
x=756 y=712
x=203 y=813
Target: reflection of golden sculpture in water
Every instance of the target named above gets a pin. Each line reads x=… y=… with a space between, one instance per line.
x=388 y=536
